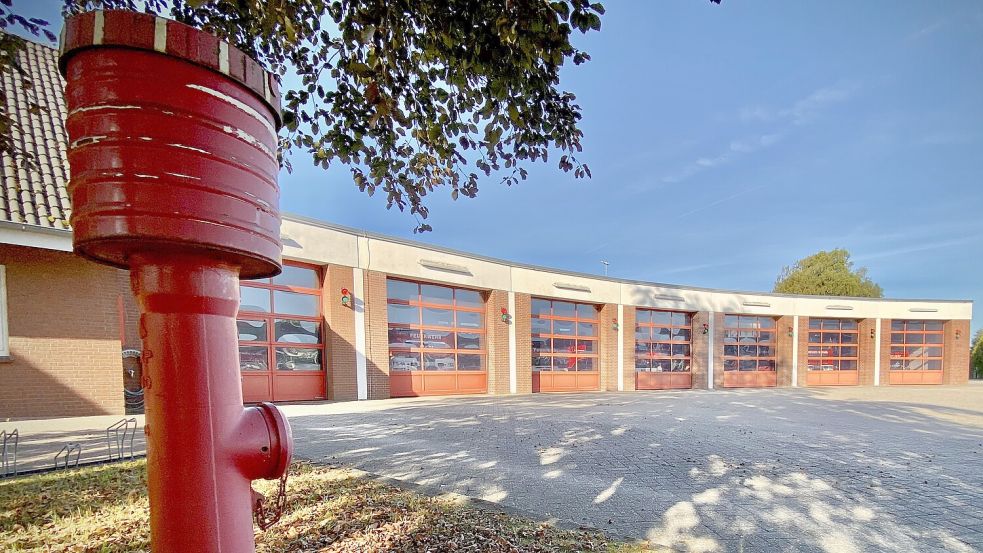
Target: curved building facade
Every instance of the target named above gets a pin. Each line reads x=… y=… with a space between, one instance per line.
x=360 y=316
x=403 y=318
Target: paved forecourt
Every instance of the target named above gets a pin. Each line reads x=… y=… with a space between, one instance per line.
x=890 y=469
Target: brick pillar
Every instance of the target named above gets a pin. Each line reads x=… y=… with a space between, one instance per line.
x=718 y=350
x=339 y=333
x=955 y=356
x=629 y=351
x=376 y=335
x=866 y=340
x=783 y=355
x=608 y=355
x=699 y=350
x=803 y=347
x=522 y=319
x=497 y=336
x=885 y=352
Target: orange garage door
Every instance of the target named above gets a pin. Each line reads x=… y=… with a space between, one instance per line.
x=281 y=344
x=749 y=351
x=663 y=343
x=916 y=352
x=564 y=347
x=833 y=352
x=436 y=340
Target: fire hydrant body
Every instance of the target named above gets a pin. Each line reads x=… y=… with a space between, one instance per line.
x=173 y=159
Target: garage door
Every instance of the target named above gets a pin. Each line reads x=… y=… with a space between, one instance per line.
x=436 y=339
x=749 y=351
x=663 y=343
x=916 y=352
x=564 y=347
x=281 y=344
x=833 y=352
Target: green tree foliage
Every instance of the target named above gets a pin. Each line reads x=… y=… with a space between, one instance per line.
x=411 y=95
x=976 y=355
x=827 y=274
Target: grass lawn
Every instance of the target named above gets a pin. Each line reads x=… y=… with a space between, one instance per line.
x=104 y=509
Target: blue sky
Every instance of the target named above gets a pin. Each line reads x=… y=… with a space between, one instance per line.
x=727 y=141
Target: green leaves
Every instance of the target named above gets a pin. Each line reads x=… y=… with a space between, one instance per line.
x=410 y=94
x=827 y=274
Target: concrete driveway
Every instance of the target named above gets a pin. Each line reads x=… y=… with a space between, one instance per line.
x=834 y=470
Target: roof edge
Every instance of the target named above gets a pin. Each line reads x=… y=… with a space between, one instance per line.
x=478 y=257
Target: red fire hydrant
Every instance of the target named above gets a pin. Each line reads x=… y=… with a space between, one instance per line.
x=173 y=176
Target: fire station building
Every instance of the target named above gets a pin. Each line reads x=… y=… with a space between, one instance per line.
x=355 y=315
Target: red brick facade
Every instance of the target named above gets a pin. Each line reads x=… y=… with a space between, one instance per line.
x=867 y=337
x=340 y=335
x=63 y=325
x=376 y=335
x=786 y=343
x=65 y=345
x=955 y=362
x=522 y=319
x=497 y=342
x=608 y=356
x=628 y=327
x=700 y=349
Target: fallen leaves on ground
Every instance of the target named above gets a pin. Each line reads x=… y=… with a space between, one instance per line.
x=104 y=509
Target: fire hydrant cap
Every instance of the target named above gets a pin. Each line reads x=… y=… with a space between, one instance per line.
x=143 y=31
x=285 y=442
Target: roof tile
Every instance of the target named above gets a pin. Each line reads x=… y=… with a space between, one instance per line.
x=36 y=196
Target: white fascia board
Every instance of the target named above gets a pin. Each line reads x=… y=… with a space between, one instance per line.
x=35 y=237
x=324 y=243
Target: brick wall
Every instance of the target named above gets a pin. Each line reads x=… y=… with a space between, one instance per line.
x=522 y=318
x=340 y=333
x=866 y=352
x=955 y=361
x=783 y=357
x=607 y=316
x=802 y=370
x=699 y=350
x=376 y=335
x=63 y=321
x=628 y=328
x=497 y=340
x=885 y=352
x=718 y=350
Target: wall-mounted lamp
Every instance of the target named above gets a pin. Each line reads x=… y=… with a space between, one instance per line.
x=346 y=297
x=873 y=333
x=706 y=328
x=959 y=333
x=506 y=318
x=791 y=332
x=615 y=324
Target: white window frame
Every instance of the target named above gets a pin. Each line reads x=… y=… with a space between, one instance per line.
x=4 y=342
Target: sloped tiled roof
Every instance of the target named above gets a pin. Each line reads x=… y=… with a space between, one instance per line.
x=30 y=195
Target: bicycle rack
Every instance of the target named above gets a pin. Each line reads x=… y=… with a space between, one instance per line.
x=67 y=450
x=8 y=456
x=117 y=434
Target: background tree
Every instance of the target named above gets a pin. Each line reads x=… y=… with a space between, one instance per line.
x=827 y=274
x=411 y=95
x=976 y=355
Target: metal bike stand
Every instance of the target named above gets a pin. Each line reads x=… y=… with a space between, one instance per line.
x=66 y=453
x=116 y=435
x=8 y=456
